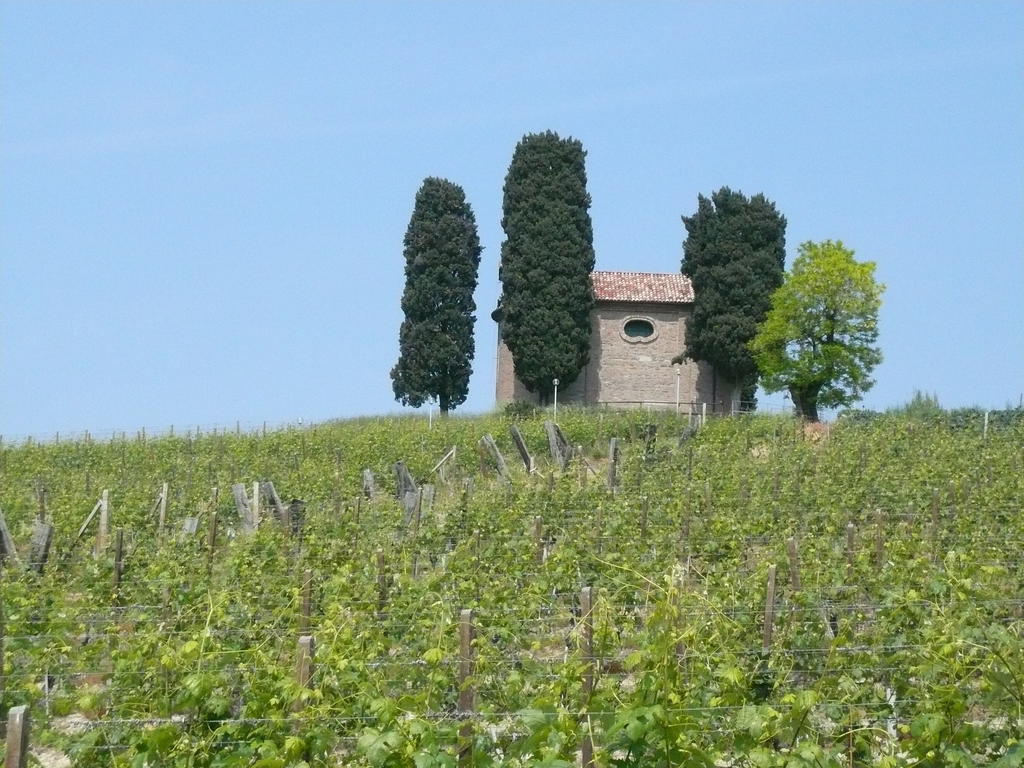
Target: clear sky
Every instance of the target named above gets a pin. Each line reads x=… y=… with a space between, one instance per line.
x=202 y=204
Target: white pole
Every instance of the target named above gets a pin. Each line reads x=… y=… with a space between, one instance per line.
x=555 y=418
x=984 y=433
x=703 y=414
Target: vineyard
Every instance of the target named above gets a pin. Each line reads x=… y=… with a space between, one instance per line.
x=752 y=593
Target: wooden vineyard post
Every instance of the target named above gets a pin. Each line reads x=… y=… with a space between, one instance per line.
x=707 y=499
x=17 y=737
x=161 y=521
x=382 y=581
x=256 y=504
x=104 y=526
x=267 y=489
x=466 y=693
x=307 y=602
x=538 y=538
x=487 y=444
x=369 y=484
x=794 y=564
x=613 y=464
x=118 y=559
x=245 y=514
x=524 y=452
x=561 y=451
x=769 y=610
x=8 y=551
x=304 y=661
x=587 y=647
x=850 y=552
x=39 y=553
x=211 y=542
x=41 y=512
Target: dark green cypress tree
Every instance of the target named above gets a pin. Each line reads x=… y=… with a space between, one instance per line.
x=442 y=257
x=734 y=254
x=546 y=261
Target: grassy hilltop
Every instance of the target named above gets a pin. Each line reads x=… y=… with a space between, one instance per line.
x=760 y=595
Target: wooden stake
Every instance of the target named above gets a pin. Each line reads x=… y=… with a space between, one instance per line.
x=41 y=513
x=17 y=737
x=587 y=648
x=245 y=515
x=466 y=693
x=369 y=484
x=769 y=610
x=256 y=503
x=850 y=541
x=118 y=558
x=8 y=551
x=613 y=464
x=270 y=492
x=304 y=661
x=491 y=447
x=39 y=553
x=102 y=533
x=211 y=542
x=307 y=602
x=161 y=522
x=794 y=564
x=382 y=581
x=524 y=452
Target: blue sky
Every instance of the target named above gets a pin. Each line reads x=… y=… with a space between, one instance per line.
x=202 y=204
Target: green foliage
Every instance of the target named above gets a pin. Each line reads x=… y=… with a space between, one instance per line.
x=442 y=256
x=818 y=340
x=521 y=409
x=922 y=406
x=546 y=261
x=734 y=254
x=905 y=652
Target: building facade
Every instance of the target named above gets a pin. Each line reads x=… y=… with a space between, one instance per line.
x=638 y=326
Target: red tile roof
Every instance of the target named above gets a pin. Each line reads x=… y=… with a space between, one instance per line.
x=662 y=287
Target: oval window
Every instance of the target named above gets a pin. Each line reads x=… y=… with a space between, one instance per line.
x=638 y=329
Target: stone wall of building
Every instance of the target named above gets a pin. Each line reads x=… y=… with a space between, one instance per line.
x=628 y=372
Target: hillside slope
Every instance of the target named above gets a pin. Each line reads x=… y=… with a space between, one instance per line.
x=753 y=594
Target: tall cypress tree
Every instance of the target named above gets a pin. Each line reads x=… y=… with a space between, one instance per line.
x=734 y=254
x=442 y=257
x=546 y=261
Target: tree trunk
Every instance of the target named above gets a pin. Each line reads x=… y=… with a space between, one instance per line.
x=806 y=403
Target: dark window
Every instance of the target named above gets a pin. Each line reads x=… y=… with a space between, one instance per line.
x=638 y=329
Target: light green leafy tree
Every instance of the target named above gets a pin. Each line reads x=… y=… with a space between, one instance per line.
x=818 y=340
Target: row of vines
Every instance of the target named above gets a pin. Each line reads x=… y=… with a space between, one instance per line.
x=759 y=595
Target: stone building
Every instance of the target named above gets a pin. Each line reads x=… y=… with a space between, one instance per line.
x=637 y=326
